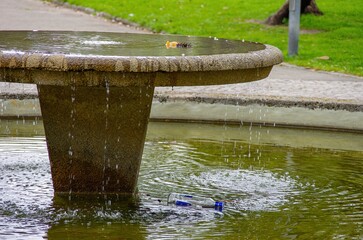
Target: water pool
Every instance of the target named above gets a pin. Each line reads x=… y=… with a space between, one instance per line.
x=277 y=184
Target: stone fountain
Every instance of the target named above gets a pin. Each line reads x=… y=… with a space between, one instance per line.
x=96 y=90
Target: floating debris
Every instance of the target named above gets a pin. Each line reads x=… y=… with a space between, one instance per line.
x=189 y=200
x=169 y=44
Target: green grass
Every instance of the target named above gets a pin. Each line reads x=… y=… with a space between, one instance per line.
x=340 y=29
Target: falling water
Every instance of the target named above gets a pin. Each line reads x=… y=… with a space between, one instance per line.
x=106 y=160
x=71 y=130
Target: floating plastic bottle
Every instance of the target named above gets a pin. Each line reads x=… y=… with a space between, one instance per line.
x=190 y=200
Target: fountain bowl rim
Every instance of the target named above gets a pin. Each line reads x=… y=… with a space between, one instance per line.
x=27 y=60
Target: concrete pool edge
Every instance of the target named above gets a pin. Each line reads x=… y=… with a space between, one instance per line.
x=292 y=115
x=258 y=114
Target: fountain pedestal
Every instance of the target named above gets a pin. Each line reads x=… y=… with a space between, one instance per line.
x=95 y=135
x=96 y=90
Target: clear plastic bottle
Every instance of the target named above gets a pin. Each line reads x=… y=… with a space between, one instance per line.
x=180 y=199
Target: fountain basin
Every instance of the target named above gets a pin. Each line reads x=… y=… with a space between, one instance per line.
x=96 y=89
x=44 y=58
x=286 y=176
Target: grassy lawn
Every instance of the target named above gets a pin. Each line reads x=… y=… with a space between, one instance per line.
x=337 y=34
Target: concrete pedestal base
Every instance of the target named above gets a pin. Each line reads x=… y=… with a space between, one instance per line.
x=95 y=136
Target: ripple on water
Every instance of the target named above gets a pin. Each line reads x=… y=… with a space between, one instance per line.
x=248 y=190
x=172 y=166
x=26 y=187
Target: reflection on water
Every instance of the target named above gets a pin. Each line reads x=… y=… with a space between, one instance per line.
x=273 y=188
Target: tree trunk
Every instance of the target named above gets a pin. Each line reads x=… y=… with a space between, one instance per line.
x=307 y=6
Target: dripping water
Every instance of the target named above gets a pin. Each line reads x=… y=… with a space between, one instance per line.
x=106 y=160
x=71 y=131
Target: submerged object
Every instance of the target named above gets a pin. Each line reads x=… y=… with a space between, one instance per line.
x=180 y=199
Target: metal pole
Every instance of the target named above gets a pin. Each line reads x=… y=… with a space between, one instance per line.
x=294 y=26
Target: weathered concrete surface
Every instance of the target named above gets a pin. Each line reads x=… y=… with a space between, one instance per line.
x=95 y=136
x=46 y=58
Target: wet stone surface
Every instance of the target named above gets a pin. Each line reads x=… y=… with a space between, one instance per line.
x=118 y=44
x=80 y=51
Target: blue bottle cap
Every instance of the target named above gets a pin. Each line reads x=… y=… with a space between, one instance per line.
x=218 y=206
